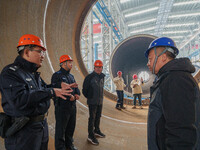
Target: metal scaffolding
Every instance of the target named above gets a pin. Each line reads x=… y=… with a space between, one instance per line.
x=100 y=45
x=163 y=14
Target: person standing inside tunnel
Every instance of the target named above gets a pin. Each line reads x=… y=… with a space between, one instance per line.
x=174 y=110
x=119 y=83
x=65 y=110
x=93 y=91
x=136 y=86
x=25 y=96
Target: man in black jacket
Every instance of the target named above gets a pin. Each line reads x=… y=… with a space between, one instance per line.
x=65 y=110
x=25 y=94
x=174 y=110
x=93 y=91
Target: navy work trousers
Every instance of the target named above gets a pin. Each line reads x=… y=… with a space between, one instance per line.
x=65 y=113
x=33 y=136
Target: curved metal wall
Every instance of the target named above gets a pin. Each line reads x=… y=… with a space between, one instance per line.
x=128 y=57
x=57 y=22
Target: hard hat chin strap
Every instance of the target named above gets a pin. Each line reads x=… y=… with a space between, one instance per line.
x=66 y=66
x=155 y=61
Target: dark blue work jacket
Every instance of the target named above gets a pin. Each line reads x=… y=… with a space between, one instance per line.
x=64 y=76
x=23 y=91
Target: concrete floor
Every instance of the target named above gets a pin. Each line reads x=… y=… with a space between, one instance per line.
x=128 y=135
x=125 y=130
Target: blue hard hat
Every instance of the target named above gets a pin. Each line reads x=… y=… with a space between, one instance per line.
x=163 y=41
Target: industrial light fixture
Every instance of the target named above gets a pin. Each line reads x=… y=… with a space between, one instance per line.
x=176 y=37
x=174 y=32
x=141 y=12
x=180 y=25
x=142 y=22
x=124 y=1
x=186 y=3
x=142 y=30
x=184 y=15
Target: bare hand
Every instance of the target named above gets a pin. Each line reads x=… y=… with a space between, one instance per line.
x=72 y=98
x=62 y=93
x=73 y=85
x=77 y=96
x=65 y=85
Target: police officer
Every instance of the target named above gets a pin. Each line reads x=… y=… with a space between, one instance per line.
x=24 y=93
x=65 y=111
x=93 y=91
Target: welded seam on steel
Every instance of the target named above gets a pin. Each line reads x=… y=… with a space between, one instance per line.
x=44 y=37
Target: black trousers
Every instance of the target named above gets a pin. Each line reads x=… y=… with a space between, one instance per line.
x=120 y=100
x=33 y=136
x=65 y=113
x=94 y=119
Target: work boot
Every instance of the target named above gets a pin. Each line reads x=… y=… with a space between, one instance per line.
x=99 y=134
x=93 y=140
x=134 y=107
x=72 y=147
x=141 y=107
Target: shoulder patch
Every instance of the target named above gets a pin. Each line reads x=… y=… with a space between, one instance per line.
x=14 y=68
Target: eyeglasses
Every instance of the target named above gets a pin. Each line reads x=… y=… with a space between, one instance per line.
x=42 y=53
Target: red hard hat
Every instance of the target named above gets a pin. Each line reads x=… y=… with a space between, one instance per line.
x=119 y=73
x=98 y=63
x=64 y=58
x=29 y=39
x=135 y=76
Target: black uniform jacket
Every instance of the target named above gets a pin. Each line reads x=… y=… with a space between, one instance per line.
x=174 y=110
x=64 y=76
x=93 y=88
x=24 y=93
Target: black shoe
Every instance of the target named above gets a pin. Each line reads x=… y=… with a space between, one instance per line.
x=118 y=108
x=72 y=147
x=99 y=134
x=93 y=140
